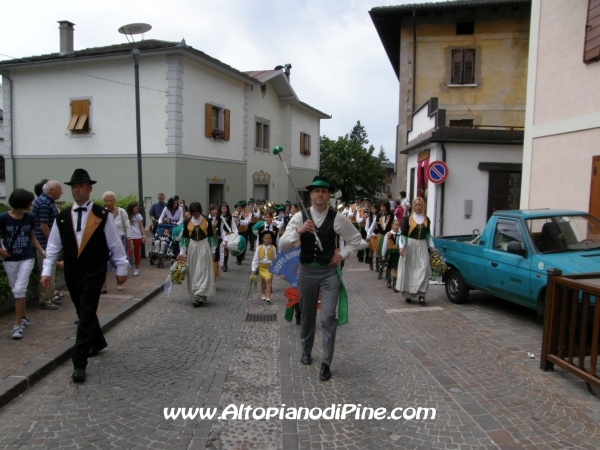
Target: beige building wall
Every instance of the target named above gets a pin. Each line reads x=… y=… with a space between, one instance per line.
x=562 y=131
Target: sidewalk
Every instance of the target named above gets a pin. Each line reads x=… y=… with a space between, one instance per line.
x=48 y=340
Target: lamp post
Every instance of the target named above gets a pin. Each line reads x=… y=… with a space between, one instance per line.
x=131 y=29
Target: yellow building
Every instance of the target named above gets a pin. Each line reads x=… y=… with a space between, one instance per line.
x=462 y=71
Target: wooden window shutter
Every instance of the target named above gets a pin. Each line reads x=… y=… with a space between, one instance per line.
x=457 y=67
x=226 y=120
x=302 y=143
x=592 y=33
x=208 y=120
x=83 y=121
x=469 y=66
x=307 y=137
x=75 y=112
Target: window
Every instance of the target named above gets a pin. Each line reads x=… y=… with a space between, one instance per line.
x=2 y=169
x=217 y=122
x=262 y=134
x=80 y=117
x=507 y=231
x=465 y=28
x=305 y=144
x=463 y=66
x=591 y=50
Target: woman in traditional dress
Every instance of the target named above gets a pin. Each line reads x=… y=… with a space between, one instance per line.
x=195 y=247
x=379 y=229
x=413 y=267
x=228 y=226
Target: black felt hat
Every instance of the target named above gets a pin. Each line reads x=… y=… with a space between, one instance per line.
x=80 y=176
x=265 y=232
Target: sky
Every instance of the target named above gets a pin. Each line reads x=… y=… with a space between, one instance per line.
x=339 y=65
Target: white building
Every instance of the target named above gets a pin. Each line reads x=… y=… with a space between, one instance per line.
x=199 y=123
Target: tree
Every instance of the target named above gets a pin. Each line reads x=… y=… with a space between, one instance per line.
x=349 y=167
x=359 y=134
x=382 y=156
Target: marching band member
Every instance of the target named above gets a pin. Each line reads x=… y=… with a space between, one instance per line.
x=242 y=220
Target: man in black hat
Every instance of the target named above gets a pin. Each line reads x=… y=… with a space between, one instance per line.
x=318 y=268
x=86 y=234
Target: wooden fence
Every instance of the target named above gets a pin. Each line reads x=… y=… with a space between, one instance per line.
x=572 y=325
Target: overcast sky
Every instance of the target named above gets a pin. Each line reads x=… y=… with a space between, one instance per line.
x=338 y=63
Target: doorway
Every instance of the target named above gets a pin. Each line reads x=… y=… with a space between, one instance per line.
x=595 y=188
x=215 y=194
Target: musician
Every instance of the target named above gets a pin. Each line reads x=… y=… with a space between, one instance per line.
x=318 y=268
x=269 y=225
x=282 y=220
x=242 y=216
x=354 y=213
x=255 y=210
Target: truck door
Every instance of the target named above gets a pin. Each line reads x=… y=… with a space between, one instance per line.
x=508 y=274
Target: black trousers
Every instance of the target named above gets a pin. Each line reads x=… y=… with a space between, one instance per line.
x=361 y=254
x=245 y=235
x=85 y=287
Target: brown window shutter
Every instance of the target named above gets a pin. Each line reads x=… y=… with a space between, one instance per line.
x=469 y=66
x=457 y=66
x=227 y=119
x=592 y=33
x=208 y=120
x=75 y=112
x=308 y=146
x=301 y=143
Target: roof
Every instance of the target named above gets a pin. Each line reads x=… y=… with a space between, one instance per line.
x=145 y=47
x=281 y=83
x=388 y=19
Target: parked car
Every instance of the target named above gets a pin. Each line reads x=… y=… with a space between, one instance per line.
x=510 y=258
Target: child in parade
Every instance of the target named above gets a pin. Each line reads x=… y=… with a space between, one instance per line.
x=391 y=251
x=263 y=257
x=372 y=248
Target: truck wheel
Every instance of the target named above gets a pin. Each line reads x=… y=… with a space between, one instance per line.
x=456 y=289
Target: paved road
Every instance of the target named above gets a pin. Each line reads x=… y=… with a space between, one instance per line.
x=468 y=361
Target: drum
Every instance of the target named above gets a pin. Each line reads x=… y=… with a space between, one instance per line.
x=235 y=243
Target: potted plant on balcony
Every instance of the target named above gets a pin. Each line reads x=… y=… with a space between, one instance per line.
x=218 y=134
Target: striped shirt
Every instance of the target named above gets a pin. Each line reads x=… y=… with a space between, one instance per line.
x=44 y=211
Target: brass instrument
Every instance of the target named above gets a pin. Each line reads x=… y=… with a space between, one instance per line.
x=267 y=205
x=341 y=206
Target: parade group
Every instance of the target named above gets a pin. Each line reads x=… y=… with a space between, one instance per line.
x=393 y=238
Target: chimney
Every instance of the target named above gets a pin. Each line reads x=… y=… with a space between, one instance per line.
x=66 y=36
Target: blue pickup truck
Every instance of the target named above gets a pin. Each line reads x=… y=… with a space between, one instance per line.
x=509 y=259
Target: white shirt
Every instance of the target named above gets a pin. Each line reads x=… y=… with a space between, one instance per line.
x=113 y=240
x=265 y=260
x=224 y=228
x=176 y=218
x=341 y=226
x=136 y=233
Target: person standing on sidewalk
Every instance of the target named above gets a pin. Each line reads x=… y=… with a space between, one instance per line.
x=138 y=235
x=86 y=233
x=157 y=208
x=318 y=271
x=44 y=210
x=17 y=231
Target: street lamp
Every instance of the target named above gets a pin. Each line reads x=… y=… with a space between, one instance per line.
x=131 y=29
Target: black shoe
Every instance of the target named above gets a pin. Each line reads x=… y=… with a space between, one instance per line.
x=306 y=359
x=389 y=284
x=325 y=373
x=407 y=300
x=78 y=375
x=394 y=284
x=379 y=276
x=422 y=301
x=371 y=265
x=95 y=350
x=239 y=262
x=76 y=321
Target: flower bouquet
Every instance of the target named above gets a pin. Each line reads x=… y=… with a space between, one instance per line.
x=177 y=272
x=253 y=287
x=438 y=266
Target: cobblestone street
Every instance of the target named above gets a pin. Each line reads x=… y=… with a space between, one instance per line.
x=470 y=362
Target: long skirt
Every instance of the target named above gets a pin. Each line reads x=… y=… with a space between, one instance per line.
x=201 y=274
x=413 y=269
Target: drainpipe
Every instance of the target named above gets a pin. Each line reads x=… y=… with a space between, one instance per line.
x=414 y=77
x=442 y=189
x=12 y=137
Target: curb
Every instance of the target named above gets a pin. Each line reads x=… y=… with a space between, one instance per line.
x=32 y=372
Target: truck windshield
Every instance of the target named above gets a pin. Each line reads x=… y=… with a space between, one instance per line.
x=565 y=233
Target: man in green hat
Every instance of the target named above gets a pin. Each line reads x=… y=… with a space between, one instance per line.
x=319 y=271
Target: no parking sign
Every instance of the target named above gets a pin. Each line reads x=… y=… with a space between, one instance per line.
x=437 y=172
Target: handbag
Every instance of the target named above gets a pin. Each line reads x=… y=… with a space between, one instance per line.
x=233 y=242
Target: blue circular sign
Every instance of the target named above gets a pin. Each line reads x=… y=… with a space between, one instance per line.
x=437 y=172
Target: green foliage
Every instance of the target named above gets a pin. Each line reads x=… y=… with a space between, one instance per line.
x=4 y=208
x=121 y=202
x=382 y=156
x=349 y=166
x=6 y=291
